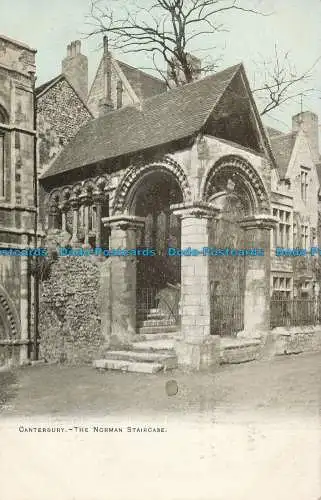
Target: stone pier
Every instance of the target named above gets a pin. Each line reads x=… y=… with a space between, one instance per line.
x=197 y=349
x=122 y=277
x=257 y=280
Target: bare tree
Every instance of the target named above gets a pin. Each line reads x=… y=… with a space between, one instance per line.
x=166 y=30
x=281 y=81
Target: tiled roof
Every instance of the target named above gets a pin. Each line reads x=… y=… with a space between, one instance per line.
x=282 y=147
x=144 y=85
x=48 y=84
x=169 y=116
x=272 y=132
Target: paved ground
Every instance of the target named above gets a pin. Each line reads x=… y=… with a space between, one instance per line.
x=249 y=431
x=288 y=384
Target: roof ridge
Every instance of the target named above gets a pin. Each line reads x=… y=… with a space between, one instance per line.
x=140 y=70
x=140 y=108
x=194 y=83
x=42 y=87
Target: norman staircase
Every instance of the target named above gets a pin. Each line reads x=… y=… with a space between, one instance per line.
x=153 y=348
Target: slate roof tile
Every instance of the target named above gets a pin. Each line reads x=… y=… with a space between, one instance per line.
x=166 y=117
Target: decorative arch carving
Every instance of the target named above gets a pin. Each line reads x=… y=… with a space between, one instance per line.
x=241 y=173
x=9 y=316
x=135 y=173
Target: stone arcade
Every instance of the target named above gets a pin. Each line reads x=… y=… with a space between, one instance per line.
x=190 y=167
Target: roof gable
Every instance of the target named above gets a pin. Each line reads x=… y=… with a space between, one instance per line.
x=235 y=118
x=164 y=118
x=44 y=88
x=143 y=84
x=47 y=85
x=282 y=146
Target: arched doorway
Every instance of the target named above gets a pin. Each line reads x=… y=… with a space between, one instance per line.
x=158 y=276
x=236 y=190
x=227 y=273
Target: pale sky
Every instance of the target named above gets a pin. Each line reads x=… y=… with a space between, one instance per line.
x=49 y=26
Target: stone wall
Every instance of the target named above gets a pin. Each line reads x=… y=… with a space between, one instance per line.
x=60 y=114
x=70 y=322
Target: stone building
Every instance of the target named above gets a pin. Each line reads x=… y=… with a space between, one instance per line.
x=295 y=193
x=190 y=168
x=18 y=196
x=130 y=165
x=116 y=84
x=61 y=106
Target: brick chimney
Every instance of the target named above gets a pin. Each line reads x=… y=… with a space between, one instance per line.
x=308 y=122
x=75 y=67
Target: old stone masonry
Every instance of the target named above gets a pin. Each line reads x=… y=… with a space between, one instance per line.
x=141 y=180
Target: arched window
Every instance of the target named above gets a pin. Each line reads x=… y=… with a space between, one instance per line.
x=3 y=121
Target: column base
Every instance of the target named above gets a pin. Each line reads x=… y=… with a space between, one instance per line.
x=253 y=334
x=123 y=341
x=268 y=342
x=199 y=355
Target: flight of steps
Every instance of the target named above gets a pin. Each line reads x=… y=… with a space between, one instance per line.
x=152 y=351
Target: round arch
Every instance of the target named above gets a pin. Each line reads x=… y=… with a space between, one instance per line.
x=235 y=173
x=8 y=316
x=126 y=190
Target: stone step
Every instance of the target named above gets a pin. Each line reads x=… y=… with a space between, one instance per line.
x=167 y=359
x=166 y=344
x=143 y=316
x=157 y=322
x=157 y=329
x=239 y=350
x=127 y=366
x=158 y=336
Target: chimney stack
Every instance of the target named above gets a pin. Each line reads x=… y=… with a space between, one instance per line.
x=308 y=122
x=75 y=67
x=106 y=103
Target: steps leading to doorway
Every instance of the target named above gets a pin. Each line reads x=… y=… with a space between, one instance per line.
x=150 y=355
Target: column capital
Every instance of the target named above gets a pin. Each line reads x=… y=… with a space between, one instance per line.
x=199 y=209
x=262 y=221
x=85 y=199
x=64 y=206
x=123 y=222
x=98 y=197
x=53 y=209
x=74 y=203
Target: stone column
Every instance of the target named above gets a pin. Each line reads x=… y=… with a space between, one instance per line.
x=122 y=278
x=98 y=200
x=75 y=216
x=197 y=349
x=257 y=279
x=65 y=235
x=85 y=202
